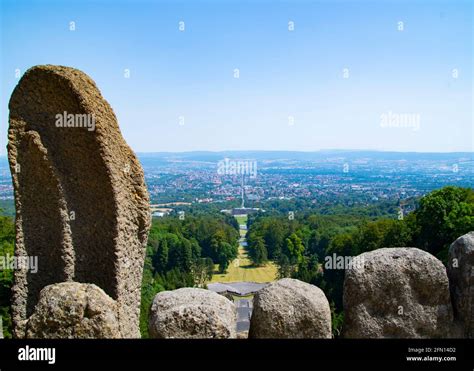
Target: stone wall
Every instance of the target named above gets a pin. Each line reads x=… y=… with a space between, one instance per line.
x=392 y=293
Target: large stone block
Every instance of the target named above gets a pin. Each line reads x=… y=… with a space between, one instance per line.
x=289 y=309
x=192 y=313
x=461 y=276
x=397 y=293
x=71 y=310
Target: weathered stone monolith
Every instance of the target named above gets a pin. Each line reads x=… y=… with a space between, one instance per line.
x=397 y=293
x=461 y=277
x=81 y=203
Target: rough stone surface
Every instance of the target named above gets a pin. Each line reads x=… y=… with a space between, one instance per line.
x=461 y=276
x=192 y=313
x=289 y=308
x=81 y=202
x=73 y=310
x=397 y=293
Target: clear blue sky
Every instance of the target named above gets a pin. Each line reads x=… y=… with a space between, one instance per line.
x=282 y=73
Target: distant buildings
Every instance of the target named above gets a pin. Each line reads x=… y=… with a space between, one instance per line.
x=241 y=293
x=158 y=211
x=158 y=214
x=244 y=210
x=241 y=289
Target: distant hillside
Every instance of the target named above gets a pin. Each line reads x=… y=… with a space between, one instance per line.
x=208 y=156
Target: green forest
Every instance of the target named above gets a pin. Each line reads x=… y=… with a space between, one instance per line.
x=186 y=252
x=7 y=242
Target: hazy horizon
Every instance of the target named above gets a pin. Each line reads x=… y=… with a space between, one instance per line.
x=319 y=150
x=4 y=155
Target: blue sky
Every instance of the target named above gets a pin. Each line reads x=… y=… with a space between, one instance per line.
x=291 y=93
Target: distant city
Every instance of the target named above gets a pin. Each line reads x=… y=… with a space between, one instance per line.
x=256 y=177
